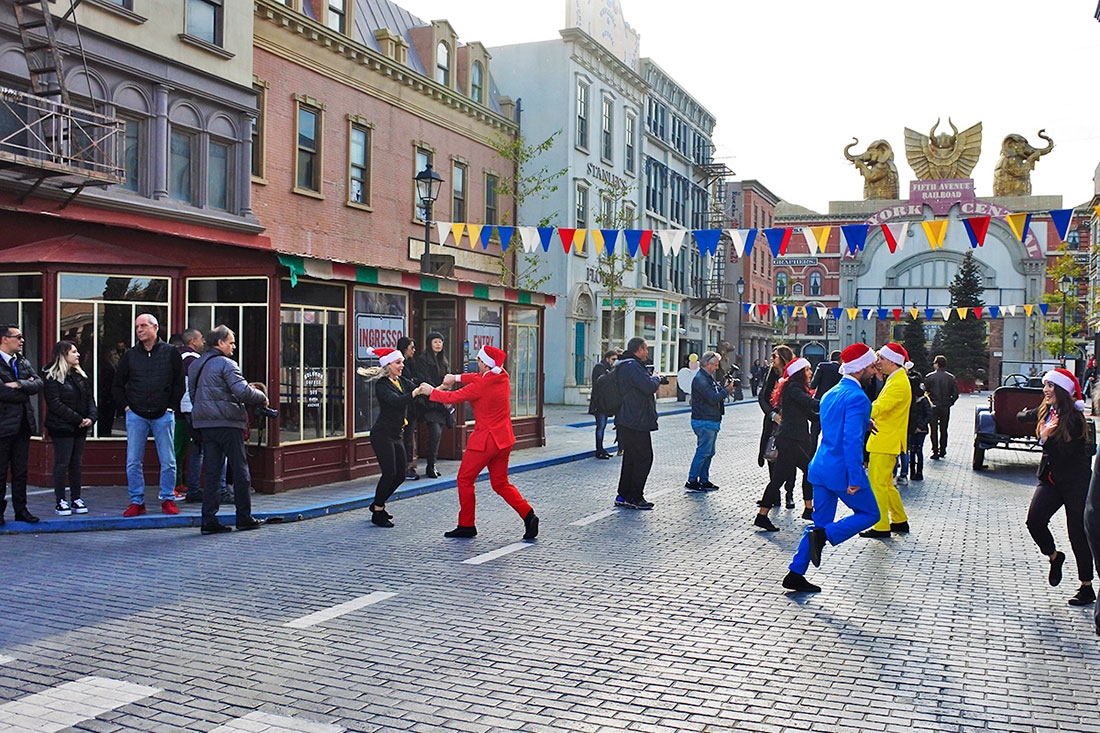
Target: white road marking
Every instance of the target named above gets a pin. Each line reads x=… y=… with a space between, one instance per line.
x=330 y=613
x=501 y=552
x=5 y=659
x=258 y=722
x=585 y=521
x=66 y=705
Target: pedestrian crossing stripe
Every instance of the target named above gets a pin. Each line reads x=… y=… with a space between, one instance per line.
x=63 y=706
x=271 y=723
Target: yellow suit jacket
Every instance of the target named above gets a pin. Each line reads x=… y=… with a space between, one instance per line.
x=891 y=415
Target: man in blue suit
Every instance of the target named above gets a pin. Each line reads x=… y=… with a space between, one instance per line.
x=836 y=470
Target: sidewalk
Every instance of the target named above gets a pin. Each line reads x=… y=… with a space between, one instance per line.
x=566 y=441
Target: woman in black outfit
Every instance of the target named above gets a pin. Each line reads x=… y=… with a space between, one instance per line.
x=781 y=357
x=431 y=367
x=797 y=408
x=70 y=414
x=1064 y=474
x=395 y=395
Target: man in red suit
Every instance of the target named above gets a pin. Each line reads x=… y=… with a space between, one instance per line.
x=489 y=392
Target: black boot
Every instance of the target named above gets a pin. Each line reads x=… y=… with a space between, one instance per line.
x=380 y=517
x=763 y=522
x=461 y=532
x=798 y=583
x=431 y=472
x=530 y=526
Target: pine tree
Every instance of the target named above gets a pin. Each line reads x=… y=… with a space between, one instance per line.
x=915 y=343
x=963 y=340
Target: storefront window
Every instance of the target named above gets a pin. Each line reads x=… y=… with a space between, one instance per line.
x=21 y=304
x=612 y=327
x=670 y=328
x=482 y=329
x=311 y=373
x=439 y=317
x=523 y=360
x=381 y=318
x=97 y=312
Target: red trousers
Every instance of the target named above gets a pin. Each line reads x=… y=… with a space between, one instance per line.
x=473 y=462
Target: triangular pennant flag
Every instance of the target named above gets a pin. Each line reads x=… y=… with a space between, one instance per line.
x=750 y=240
x=633 y=238
x=647 y=239
x=822 y=312
x=855 y=235
x=935 y=230
x=837 y=313
x=597 y=240
x=800 y=312
x=578 y=240
x=1019 y=224
x=1097 y=208
x=738 y=241
x=474 y=231
x=545 y=233
x=976 y=227
x=486 y=235
x=895 y=235
x=994 y=311
x=530 y=238
x=707 y=240
x=762 y=309
x=609 y=237
x=505 y=237
x=1011 y=310
x=914 y=313
x=778 y=311
x=1027 y=309
x=817 y=238
x=897 y=314
x=962 y=313
x=882 y=314
x=778 y=238
x=929 y=314
x=672 y=240
x=866 y=313
x=1043 y=307
x=748 y=307
x=946 y=313
x=853 y=313
x=456 y=230
x=566 y=237
x=978 y=312
x=443 y=228
x=1061 y=219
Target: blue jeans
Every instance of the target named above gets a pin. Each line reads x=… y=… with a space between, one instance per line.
x=707 y=433
x=601 y=426
x=163 y=430
x=194 y=470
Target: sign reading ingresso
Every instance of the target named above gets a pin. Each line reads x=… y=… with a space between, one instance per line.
x=374 y=331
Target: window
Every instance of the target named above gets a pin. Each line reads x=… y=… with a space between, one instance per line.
x=309 y=148
x=582 y=115
x=219 y=173
x=132 y=154
x=490 y=199
x=605 y=130
x=21 y=304
x=204 y=20
x=128 y=4
x=241 y=304
x=359 y=165
x=180 y=168
x=97 y=313
x=483 y=328
x=607 y=213
x=657 y=119
x=629 y=132
x=522 y=363
x=678 y=199
x=655 y=266
x=815 y=283
x=423 y=158
x=337 y=15
x=477 y=82
x=443 y=64
x=629 y=216
x=656 y=186
x=582 y=207
x=311 y=372
x=258 y=131
x=781 y=284
x=381 y=318
x=813 y=322
x=612 y=326
x=458 y=192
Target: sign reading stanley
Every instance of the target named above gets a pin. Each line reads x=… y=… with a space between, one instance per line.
x=373 y=331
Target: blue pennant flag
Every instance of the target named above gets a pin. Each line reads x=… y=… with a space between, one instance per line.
x=545 y=233
x=929 y=314
x=747 y=307
x=775 y=240
x=1043 y=307
x=837 y=312
x=707 y=239
x=882 y=314
x=609 y=237
x=866 y=313
x=505 y=237
x=994 y=311
x=790 y=311
x=855 y=235
x=633 y=239
x=483 y=238
x=1062 y=219
x=750 y=239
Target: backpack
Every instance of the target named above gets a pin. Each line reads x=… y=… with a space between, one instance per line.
x=607 y=399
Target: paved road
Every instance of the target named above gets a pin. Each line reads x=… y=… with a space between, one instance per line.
x=670 y=620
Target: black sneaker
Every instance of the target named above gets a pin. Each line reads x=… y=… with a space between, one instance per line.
x=216 y=528
x=620 y=502
x=808 y=514
x=461 y=532
x=62 y=508
x=253 y=523
x=641 y=504
x=707 y=486
x=79 y=507
x=694 y=486
x=799 y=584
x=1055 y=576
x=1084 y=596
x=764 y=523
x=603 y=455
x=530 y=526
x=412 y=475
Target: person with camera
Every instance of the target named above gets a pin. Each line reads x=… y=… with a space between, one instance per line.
x=635 y=423
x=220 y=398
x=606 y=364
x=708 y=405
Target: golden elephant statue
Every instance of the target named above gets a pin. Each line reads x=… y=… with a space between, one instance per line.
x=876 y=165
x=1012 y=176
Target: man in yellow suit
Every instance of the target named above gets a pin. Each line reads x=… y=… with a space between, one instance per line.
x=890 y=428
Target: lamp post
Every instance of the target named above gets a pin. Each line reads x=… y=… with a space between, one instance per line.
x=740 y=319
x=1065 y=285
x=427 y=188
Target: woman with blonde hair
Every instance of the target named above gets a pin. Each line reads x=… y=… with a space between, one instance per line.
x=71 y=411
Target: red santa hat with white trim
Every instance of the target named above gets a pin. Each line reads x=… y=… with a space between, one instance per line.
x=493 y=358
x=855 y=358
x=796 y=366
x=895 y=353
x=385 y=355
x=1066 y=380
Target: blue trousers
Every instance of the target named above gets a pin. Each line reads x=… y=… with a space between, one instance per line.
x=865 y=514
x=706 y=432
x=601 y=426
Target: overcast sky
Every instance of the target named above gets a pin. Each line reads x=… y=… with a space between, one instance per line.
x=792 y=81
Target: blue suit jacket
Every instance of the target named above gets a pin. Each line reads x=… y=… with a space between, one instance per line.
x=838 y=463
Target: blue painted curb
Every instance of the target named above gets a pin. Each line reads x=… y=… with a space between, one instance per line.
x=163 y=521
x=681 y=411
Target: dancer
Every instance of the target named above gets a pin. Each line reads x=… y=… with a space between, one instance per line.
x=490 y=444
x=1064 y=475
x=890 y=421
x=836 y=470
x=797 y=409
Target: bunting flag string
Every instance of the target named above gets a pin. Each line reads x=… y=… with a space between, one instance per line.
x=566 y=237
x=486 y=234
x=456 y=231
x=578 y=240
x=608 y=236
x=673 y=239
x=993 y=312
x=443 y=228
x=505 y=237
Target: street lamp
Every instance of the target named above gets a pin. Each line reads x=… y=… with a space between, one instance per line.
x=1065 y=285
x=427 y=188
x=740 y=319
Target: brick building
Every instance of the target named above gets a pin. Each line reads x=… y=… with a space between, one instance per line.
x=750 y=205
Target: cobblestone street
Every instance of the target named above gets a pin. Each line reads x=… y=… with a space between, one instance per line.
x=670 y=620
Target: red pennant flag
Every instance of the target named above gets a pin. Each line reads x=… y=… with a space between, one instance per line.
x=978 y=312
x=897 y=314
x=786 y=241
x=763 y=309
x=566 y=237
x=647 y=239
x=976 y=227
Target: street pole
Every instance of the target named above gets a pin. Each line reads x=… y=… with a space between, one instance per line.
x=427 y=266
x=1065 y=297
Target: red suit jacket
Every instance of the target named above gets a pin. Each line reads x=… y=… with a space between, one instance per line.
x=491 y=397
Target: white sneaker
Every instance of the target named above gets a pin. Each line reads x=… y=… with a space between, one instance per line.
x=63 y=509
x=79 y=507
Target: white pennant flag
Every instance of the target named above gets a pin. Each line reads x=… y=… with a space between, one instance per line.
x=738 y=241
x=900 y=231
x=1011 y=309
x=530 y=238
x=672 y=240
x=946 y=313
x=822 y=313
x=444 y=229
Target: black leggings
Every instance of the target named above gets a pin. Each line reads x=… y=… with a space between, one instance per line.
x=793 y=455
x=390 y=452
x=1047 y=500
x=68 y=460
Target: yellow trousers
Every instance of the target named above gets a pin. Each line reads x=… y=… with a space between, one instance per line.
x=880 y=472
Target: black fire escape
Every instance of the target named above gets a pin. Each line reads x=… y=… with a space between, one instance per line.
x=713 y=290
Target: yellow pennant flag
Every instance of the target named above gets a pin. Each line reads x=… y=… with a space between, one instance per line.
x=474 y=230
x=800 y=311
x=914 y=313
x=1018 y=223
x=935 y=231
x=1097 y=210
x=578 y=240
x=1027 y=309
x=456 y=230
x=597 y=239
x=852 y=313
x=821 y=237
x=962 y=313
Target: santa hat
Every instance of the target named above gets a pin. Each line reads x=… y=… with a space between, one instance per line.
x=493 y=358
x=796 y=366
x=1065 y=379
x=855 y=358
x=385 y=356
x=895 y=353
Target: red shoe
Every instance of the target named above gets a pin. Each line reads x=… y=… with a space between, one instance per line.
x=169 y=507
x=134 y=510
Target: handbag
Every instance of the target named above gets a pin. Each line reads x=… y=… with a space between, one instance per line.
x=771 y=450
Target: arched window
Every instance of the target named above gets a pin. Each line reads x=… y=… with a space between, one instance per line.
x=815 y=283
x=476 y=83
x=781 y=284
x=443 y=64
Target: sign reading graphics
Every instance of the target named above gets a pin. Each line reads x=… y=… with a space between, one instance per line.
x=375 y=331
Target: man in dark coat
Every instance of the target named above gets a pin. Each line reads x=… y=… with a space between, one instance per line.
x=598 y=371
x=826 y=376
x=18 y=381
x=943 y=391
x=636 y=421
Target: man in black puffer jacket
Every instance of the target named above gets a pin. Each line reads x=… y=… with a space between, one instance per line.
x=634 y=423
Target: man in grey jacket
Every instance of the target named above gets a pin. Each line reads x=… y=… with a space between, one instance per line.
x=220 y=397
